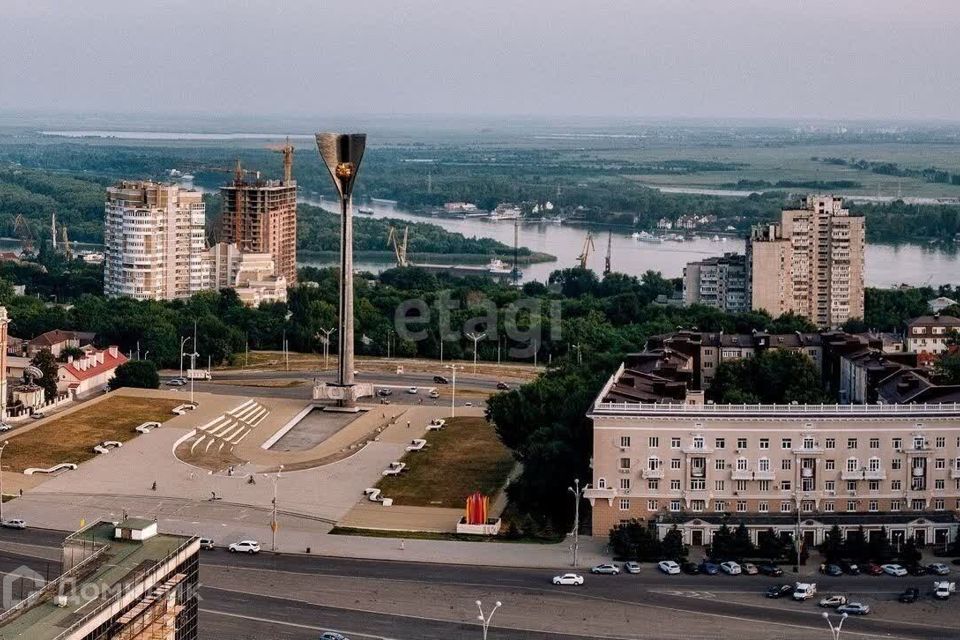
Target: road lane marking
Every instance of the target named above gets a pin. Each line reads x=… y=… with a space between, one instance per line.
x=296 y=625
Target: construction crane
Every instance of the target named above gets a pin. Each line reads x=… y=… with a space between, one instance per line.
x=606 y=262
x=66 y=242
x=400 y=250
x=22 y=228
x=287 y=151
x=588 y=246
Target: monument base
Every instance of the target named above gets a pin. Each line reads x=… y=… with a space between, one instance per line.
x=345 y=396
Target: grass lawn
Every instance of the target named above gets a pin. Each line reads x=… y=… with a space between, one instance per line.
x=465 y=456
x=71 y=438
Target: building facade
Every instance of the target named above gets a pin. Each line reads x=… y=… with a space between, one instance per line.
x=260 y=216
x=252 y=275
x=931 y=334
x=155 y=241
x=719 y=282
x=678 y=460
x=89 y=372
x=810 y=263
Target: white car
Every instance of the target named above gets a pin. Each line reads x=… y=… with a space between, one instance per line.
x=4 y=427
x=731 y=568
x=568 y=579
x=413 y=391
x=15 y=523
x=938 y=568
x=893 y=570
x=606 y=569
x=669 y=567
x=245 y=546
x=833 y=602
x=434 y=394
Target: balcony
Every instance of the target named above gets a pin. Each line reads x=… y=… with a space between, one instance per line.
x=741 y=474
x=695 y=450
x=955 y=473
x=648 y=474
x=812 y=451
x=764 y=475
x=593 y=494
x=864 y=474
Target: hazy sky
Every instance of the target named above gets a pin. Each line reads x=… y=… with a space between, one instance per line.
x=725 y=58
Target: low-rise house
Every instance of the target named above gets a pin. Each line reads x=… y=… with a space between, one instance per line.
x=90 y=372
x=931 y=334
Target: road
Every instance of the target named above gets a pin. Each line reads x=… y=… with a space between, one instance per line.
x=294 y=597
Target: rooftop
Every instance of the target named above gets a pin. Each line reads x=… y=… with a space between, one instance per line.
x=111 y=565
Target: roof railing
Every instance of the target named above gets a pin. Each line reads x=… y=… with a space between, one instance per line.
x=941 y=408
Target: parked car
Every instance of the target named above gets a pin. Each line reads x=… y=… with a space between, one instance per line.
x=245 y=546
x=850 y=568
x=413 y=391
x=770 y=569
x=384 y=392
x=206 y=543
x=854 y=609
x=690 y=568
x=440 y=380
x=709 y=568
x=503 y=386
x=938 y=568
x=731 y=568
x=606 y=569
x=779 y=591
x=943 y=589
x=36 y=415
x=804 y=590
x=632 y=567
x=832 y=601
x=749 y=568
x=14 y=523
x=917 y=570
x=669 y=567
x=568 y=579
x=831 y=570
x=874 y=569
x=333 y=635
x=910 y=595
x=4 y=427
x=894 y=570
x=434 y=394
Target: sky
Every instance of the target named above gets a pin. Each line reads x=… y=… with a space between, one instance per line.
x=838 y=59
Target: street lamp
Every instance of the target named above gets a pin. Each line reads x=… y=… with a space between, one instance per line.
x=476 y=338
x=485 y=620
x=273 y=523
x=2 y=447
x=453 y=387
x=325 y=339
x=834 y=631
x=342 y=153
x=578 y=495
x=183 y=341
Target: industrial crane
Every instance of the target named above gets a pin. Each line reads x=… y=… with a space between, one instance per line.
x=22 y=228
x=588 y=246
x=400 y=250
x=66 y=242
x=287 y=151
x=606 y=263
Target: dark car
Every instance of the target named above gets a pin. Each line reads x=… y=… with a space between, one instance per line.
x=831 y=570
x=850 y=568
x=385 y=392
x=770 y=569
x=709 y=568
x=440 y=380
x=874 y=569
x=910 y=595
x=690 y=568
x=503 y=386
x=917 y=570
x=779 y=591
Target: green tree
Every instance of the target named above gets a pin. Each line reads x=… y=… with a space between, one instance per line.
x=772 y=376
x=140 y=374
x=879 y=547
x=634 y=540
x=769 y=545
x=47 y=363
x=672 y=547
x=832 y=546
x=742 y=545
x=722 y=547
x=947 y=368
x=910 y=552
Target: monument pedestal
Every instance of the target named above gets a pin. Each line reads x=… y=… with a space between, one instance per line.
x=345 y=396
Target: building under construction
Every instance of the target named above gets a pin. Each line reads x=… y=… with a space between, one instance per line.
x=260 y=216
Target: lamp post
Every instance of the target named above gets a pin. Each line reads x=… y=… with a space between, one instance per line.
x=476 y=338
x=2 y=447
x=834 y=631
x=485 y=620
x=578 y=495
x=342 y=153
x=273 y=523
x=325 y=339
x=453 y=387
x=579 y=355
x=183 y=341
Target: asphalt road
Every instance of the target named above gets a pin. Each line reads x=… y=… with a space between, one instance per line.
x=701 y=606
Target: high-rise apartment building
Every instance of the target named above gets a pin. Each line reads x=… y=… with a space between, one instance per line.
x=260 y=216
x=719 y=282
x=810 y=263
x=155 y=241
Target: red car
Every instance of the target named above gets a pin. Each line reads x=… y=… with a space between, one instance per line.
x=874 y=569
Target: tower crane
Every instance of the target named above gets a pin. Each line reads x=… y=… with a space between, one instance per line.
x=287 y=151
x=22 y=228
x=588 y=246
x=399 y=250
x=606 y=262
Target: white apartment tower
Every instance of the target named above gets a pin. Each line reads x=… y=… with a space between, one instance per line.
x=155 y=241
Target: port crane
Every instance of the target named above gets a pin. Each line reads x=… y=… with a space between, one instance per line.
x=67 y=251
x=22 y=228
x=287 y=150
x=606 y=262
x=399 y=248
x=588 y=246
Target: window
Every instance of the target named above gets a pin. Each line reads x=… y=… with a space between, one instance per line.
x=625 y=463
x=624 y=441
x=939 y=483
x=674 y=485
x=653 y=505
x=896 y=464
x=741 y=443
x=940 y=463
x=741 y=464
x=830 y=485
x=808 y=442
x=696 y=505
x=720 y=505
x=851 y=505
x=786 y=507
x=674 y=505
x=653 y=485
x=785 y=485
x=674 y=463
x=807 y=506
x=874 y=485
x=786 y=443
x=938 y=504
x=898 y=443
x=941 y=442
x=625 y=484
x=762 y=507
x=718 y=485
x=653 y=442
x=720 y=443
x=741 y=485
x=720 y=464
x=653 y=463
x=873 y=464
x=828 y=507
x=741 y=506
x=624 y=504
x=894 y=505
x=698 y=442
x=674 y=443
x=764 y=443
x=830 y=465
x=851 y=485
x=851 y=443
x=895 y=485
x=785 y=465
x=874 y=443
x=698 y=484
x=852 y=464
x=763 y=464
x=918 y=442
x=873 y=505
x=918 y=505
x=601 y=483
x=830 y=443
x=764 y=485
